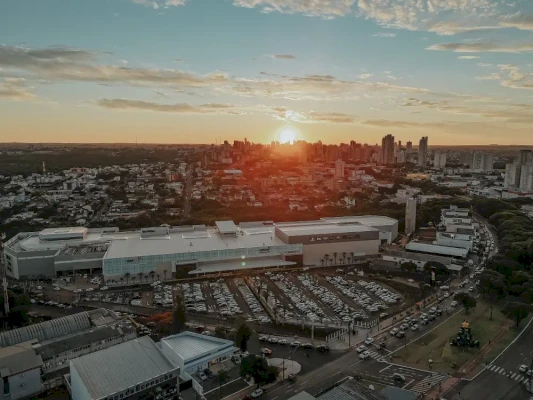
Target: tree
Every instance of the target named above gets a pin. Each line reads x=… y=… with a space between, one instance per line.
x=220 y=332
x=517 y=311
x=222 y=378
x=152 y=274
x=127 y=276
x=466 y=300
x=165 y=274
x=242 y=336
x=408 y=266
x=179 y=315
x=258 y=368
x=141 y=275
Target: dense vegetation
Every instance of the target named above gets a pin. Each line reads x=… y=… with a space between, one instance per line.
x=19 y=304
x=508 y=276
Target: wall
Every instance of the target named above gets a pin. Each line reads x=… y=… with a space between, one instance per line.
x=313 y=253
x=31 y=266
x=23 y=385
x=400 y=260
x=79 y=391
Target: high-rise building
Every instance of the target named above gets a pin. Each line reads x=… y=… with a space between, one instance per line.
x=409 y=147
x=423 y=151
x=387 y=149
x=482 y=161
x=339 y=169
x=401 y=156
x=512 y=175
x=410 y=216
x=526 y=178
x=439 y=159
x=525 y=156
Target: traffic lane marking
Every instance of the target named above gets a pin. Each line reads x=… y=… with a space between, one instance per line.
x=387 y=367
x=408 y=383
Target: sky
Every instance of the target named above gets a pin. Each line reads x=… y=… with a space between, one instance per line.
x=197 y=71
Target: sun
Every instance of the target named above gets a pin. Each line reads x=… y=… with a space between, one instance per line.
x=287 y=135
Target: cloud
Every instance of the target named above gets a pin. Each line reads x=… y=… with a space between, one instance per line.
x=518 y=21
x=467 y=57
x=365 y=75
x=450 y=28
x=484 y=65
x=65 y=64
x=15 y=89
x=157 y=4
x=491 y=77
x=384 y=34
x=514 y=78
x=178 y=108
x=283 y=56
x=483 y=47
x=314 y=8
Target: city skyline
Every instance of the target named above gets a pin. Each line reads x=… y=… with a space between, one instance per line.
x=191 y=71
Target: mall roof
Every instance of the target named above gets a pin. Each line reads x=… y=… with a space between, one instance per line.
x=119 y=367
x=320 y=227
x=190 y=345
x=130 y=244
x=368 y=220
x=226 y=227
x=435 y=249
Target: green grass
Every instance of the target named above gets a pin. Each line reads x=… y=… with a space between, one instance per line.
x=435 y=345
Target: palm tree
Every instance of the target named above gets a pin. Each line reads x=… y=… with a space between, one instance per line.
x=344 y=257
x=158 y=277
x=165 y=274
x=127 y=276
x=326 y=257
x=121 y=280
x=352 y=255
x=152 y=274
x=335 y=256
x=133 y=280
x=141 y=275
x=322 y=261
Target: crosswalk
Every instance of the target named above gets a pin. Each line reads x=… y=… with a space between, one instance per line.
x=375 y=355
x=427 y=383
x=517 y=376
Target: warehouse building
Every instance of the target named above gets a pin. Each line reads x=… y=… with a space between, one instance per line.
x=136 y=369
x=426 y=248
x=172 y=252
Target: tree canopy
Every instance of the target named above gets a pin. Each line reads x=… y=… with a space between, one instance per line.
x=257 y=367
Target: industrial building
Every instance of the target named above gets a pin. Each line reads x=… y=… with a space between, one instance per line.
x=169 y=252
x=193 y=352
x=60 y=340
x=427 y=248
x=400 y=257
x=136 y=369
x=20 y=371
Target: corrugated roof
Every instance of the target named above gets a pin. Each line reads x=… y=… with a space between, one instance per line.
x=432 y=248
x=122 y=366
x=47 y=330
x=417 y=256
x=19 y=358
x=190 y=345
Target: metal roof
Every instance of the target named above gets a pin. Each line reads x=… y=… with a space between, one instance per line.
x=417 y=256
x=368 y=220
x=226 y=227
x=19 y=358
x=47 y=330
x=321 y=227
x=190 y=345
x=435 y=249
x=120 y=367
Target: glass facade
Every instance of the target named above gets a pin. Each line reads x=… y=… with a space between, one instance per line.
x=145 y=264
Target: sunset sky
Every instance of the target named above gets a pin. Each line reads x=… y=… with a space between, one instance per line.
x=191 y=71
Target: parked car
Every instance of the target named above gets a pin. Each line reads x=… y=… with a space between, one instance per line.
x=364 y=355
x=398 y=378
x=369 y=341
x=257 y=393
x=361 y=349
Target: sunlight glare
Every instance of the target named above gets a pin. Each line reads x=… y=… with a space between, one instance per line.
x=287 y=135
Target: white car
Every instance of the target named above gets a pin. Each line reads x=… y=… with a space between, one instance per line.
x=78 y=290
x=365 y=355
x=89 y=289
x=104 y=288
x=39 y=288
x=361 y=349
x=523 y=368
x=295 y=344
x=369 y=341
x=410 y=280
x=282 y=341
x=57 y=289
x=257 y=393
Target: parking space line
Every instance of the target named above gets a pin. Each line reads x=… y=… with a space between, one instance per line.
x=387 y=367
x=408 y=383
